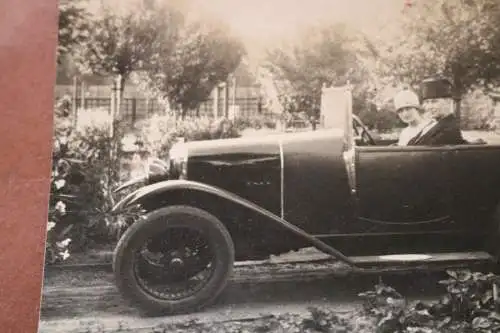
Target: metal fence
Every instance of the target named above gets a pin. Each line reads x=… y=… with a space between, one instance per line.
x=135 y=109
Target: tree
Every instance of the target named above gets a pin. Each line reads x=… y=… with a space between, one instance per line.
x=120 y=43
x=73 y=27
x=328 y=55
x=204 y=56
x=459 y=39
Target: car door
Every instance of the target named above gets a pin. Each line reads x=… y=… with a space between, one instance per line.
x=475 y=189
x=403 y=195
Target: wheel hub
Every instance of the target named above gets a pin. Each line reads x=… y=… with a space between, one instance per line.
x=177 y=263
x=174 y=265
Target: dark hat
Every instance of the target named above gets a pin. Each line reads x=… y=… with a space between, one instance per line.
x=436 y=88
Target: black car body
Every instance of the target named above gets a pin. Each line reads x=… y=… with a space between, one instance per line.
x=339 y=190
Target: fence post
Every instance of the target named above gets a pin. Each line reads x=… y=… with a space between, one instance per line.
x=118 y=95
x=74 y=106
x=226 y=98
x=113 y=108
x=234 y=89
x=82 y=97
x=216 y=102
x=134 y=110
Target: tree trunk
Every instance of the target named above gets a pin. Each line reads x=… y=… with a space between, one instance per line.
x=458 y=90
x=114 y=140
x=457 y=109
x=122 y=79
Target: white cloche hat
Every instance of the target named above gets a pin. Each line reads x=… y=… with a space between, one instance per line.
x=406 y=99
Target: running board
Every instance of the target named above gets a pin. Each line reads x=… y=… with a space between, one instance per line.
x=460 y=258
x=392 y=259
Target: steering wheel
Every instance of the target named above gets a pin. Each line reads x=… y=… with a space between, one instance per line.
x=364 y=134
x=367 y=138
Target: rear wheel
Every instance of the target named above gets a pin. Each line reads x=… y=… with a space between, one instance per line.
x=177 y=259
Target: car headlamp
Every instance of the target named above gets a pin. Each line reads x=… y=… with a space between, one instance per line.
x=157 y=170
x=178 y=161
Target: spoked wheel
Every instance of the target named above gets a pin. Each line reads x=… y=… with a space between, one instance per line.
x=173 y=256
x=178 y=259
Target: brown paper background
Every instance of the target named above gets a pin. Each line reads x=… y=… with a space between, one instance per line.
x=28 y=39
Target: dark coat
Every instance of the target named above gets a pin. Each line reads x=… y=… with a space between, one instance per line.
x=445 y=132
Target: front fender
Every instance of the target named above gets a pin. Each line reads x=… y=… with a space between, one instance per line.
x=163 y=187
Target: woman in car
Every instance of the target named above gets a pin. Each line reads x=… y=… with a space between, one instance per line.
x=410 y=111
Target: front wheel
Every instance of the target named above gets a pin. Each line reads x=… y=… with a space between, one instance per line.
x=177 y=259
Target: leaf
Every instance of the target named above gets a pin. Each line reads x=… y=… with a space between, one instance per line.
x=444 y=322
x=50 y=225
x=446 y=282
x=494 y=315
x=64 y=243
x=480 y=323
x=487 y=297
x=464 y=275
x=66 y=230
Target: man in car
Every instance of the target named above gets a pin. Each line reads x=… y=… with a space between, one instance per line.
x=437 y=100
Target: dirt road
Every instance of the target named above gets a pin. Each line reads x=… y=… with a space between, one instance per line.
x=87 y=301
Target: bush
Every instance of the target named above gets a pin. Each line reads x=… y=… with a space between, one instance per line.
x=158 y=133
x=468 y=305
x=84 y=171
x=477 y=111
x=255 y=122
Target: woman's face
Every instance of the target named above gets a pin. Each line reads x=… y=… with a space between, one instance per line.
x=409 y=115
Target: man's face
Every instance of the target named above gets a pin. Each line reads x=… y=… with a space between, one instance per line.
x=438 y=107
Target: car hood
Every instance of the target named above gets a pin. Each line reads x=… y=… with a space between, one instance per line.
x=240 y=145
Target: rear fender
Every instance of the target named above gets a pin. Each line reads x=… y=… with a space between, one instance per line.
x=163 y=189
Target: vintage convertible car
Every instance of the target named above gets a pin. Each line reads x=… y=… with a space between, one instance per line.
x=367 y=203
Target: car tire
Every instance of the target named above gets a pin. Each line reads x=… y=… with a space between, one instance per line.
x=158 y=221
x=495 y=235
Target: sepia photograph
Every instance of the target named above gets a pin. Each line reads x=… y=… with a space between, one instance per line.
x=275 y=166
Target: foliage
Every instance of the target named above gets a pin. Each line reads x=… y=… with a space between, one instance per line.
x=84 y=174
x=331 y=55
x=255 y=122
x=203 y=56
x=477 y=111
x=459 y=39
x=121 y=42
x=73 y=27
x=159 y=133
x=468 y=306
x=179 y=60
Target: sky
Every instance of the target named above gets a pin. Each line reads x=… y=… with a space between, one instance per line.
x=266 y=21
x=261 y=23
